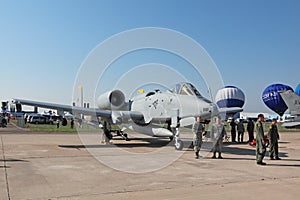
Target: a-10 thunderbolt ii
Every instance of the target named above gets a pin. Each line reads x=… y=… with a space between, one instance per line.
x=176 y=108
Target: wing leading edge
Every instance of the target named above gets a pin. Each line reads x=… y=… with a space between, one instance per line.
x=109 y=114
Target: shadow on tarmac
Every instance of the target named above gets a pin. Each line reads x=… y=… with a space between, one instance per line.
x=145 y=142
x=156 y=143
x=4 y=167
x=13 y=160
x=239 y=151
x=284 y=165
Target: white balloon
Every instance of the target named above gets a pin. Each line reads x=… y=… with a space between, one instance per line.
x=230 y=96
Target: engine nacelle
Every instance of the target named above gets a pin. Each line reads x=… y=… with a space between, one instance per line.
x=112 y=100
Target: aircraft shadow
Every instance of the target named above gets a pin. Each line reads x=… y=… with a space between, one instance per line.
x=149 y=143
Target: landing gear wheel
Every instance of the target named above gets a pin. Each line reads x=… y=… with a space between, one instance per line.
x=126 y=137
x=179 y=145
x=171 y=138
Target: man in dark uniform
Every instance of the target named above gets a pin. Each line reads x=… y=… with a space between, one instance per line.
x=250 y=129
x=72 y=123
x=260 y=140
x=273 y=137
x=233 y=130
x=241 y=130
x=197 y=129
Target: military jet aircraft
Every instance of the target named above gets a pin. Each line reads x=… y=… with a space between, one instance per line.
x=143 y=113
x=292 y=100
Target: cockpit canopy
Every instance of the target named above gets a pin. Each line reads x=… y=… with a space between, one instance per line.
x=188 y=89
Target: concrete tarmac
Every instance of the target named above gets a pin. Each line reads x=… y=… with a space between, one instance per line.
x=58 y=166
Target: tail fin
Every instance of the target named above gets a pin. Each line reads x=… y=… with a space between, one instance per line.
x=292 y=101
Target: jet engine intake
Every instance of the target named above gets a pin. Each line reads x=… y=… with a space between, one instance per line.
x=112 y=100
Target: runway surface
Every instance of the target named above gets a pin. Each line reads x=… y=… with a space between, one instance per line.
x=66 y=166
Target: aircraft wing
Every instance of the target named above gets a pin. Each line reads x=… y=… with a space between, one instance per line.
x=232 y=110
x=209 y=114
x=110 y=114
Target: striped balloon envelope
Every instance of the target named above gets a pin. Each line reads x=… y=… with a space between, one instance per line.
x=230 y=96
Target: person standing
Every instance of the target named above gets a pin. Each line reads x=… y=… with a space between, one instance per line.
x=80 y=123
x=3 y=122
x=233 y=130
x=217 y=134
x=260 y=140
x=57 y=123
x=250 y=129
x=197 y=130
x=72 y=123
x=273 y=137
x=241 y=130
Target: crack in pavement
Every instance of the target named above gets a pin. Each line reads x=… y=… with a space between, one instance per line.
x=5 y=169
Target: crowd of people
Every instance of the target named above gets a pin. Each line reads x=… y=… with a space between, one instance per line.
x=218 y=133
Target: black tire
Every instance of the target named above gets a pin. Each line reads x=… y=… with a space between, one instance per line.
x=126 y=136
x=179 y=145
x=64 y=122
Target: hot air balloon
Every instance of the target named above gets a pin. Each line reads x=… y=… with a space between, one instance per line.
x=273 y=100
x=297 y=90
x=230 y=96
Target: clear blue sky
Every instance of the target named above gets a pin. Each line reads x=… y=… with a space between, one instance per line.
x=254 y=43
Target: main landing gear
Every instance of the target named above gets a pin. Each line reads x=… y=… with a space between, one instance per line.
x=121 y=134
x=108 y=132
